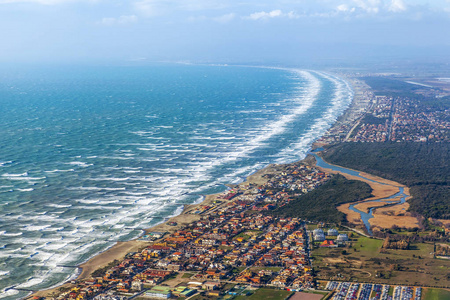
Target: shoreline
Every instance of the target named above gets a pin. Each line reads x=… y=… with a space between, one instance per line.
x=120 y=249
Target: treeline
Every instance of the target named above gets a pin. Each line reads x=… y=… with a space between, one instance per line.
x=320 y=204
x=383 y=85
x=424 y=167
x=412 y=238
x=431 y=200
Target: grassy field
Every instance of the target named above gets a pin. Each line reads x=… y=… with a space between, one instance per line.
x=266 y=294
x=364 y=261
x=187 y=275
x=435 y=294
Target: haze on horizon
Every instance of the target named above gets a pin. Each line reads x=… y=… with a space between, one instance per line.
x=233 y=31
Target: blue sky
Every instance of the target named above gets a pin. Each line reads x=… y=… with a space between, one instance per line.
x=276 y=31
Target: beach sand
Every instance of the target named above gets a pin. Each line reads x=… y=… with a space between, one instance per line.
x=120 y=249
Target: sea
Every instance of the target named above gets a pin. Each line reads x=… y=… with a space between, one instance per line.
x=92 y=155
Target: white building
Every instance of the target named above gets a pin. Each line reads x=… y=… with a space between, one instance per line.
x=332 y=232
x=342 y=237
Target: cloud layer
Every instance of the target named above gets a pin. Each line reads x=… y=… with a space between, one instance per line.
x=221 y=29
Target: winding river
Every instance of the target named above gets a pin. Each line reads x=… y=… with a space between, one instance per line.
x=365 y=217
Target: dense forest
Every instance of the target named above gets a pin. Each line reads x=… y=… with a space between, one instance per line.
x=385 y=86
x=424 y=167
x=320 y=204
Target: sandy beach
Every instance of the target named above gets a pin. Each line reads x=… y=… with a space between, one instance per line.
x=120 y=249
x=383 y=217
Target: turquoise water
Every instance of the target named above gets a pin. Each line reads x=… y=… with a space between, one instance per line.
x=92 y=155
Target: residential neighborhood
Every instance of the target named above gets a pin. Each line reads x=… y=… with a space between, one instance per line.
x=232 y=242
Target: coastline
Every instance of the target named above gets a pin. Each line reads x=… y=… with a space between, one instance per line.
x=120 y=249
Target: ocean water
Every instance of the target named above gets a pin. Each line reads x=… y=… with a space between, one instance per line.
x=93 y=155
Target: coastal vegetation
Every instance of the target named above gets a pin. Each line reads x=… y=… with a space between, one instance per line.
x=421 y=166
x=320 y=204
x=390 y=87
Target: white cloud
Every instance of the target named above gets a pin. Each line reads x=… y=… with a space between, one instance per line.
x=262 y=15
x=397 y=6
x=225 y=18
x=362 y=7
x=342 y=7
x=369 y=6
x=122 y=20
x=149 y=7
x=160 y=7
x=265 y=15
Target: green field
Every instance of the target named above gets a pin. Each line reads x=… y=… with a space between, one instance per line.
x=266 y=294
x=368 y=245
x=187 y=275
x=364 y=261
x=435 y=294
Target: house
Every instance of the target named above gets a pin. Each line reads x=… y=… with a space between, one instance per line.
x=332 y=232
x=342 y=237
x=210 y=285
x=328 y=243
x=136 y=285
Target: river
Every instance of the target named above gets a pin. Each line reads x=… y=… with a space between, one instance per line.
x=365 y=217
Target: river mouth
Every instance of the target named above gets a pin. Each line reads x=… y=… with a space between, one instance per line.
x=364 y=216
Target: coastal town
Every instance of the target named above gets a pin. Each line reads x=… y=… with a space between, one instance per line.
x=232 y=242
x=232 y=249
x=400 y=119
x=391 y=118
x=231 y=246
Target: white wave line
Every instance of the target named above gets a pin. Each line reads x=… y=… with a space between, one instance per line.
x=342 y=96
x=198 y=172
x=279 y=126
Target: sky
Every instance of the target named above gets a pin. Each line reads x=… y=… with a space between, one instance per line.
x=223 y=31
